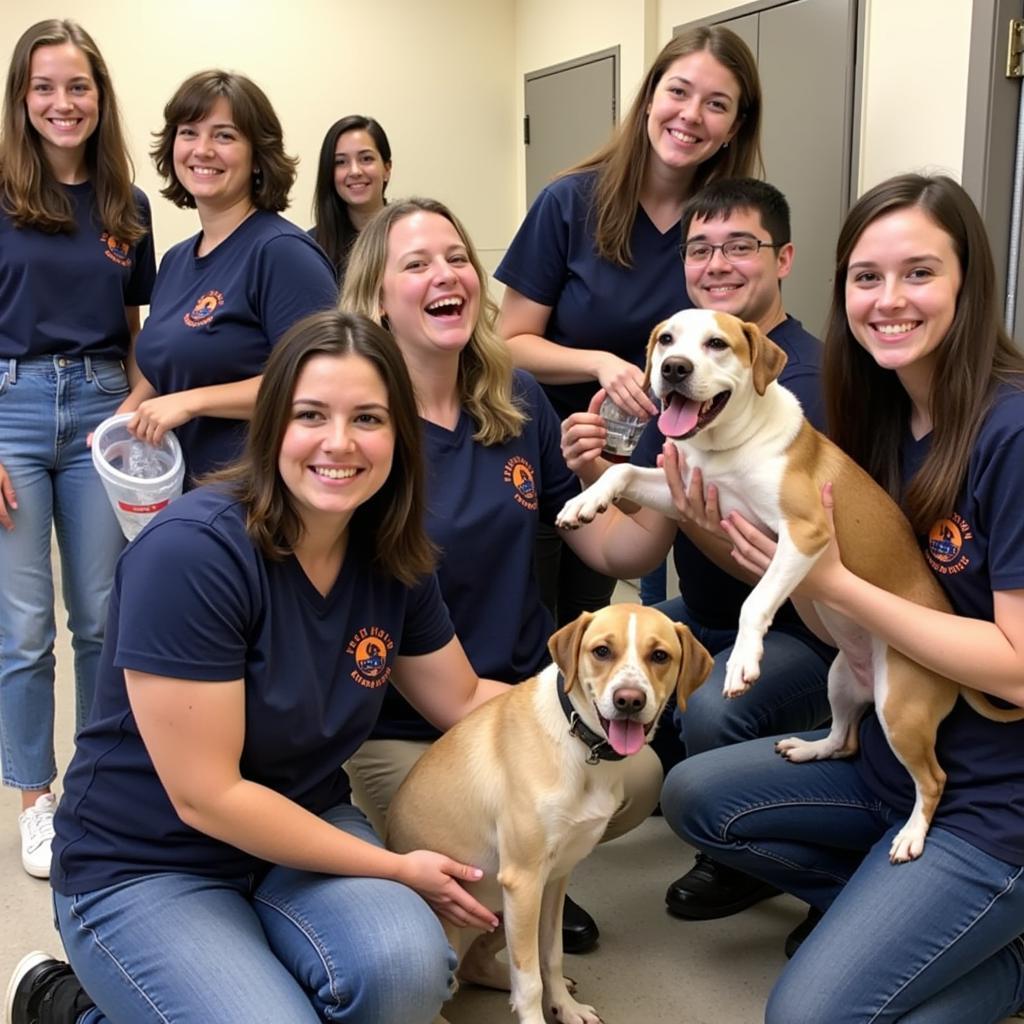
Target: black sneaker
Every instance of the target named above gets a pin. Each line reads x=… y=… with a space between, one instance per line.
x=795 y=938
x=579 y=929
x=43 y=990
x=711 y=890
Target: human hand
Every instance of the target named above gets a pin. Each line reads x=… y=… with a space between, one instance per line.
x=624 y=384
x=437 y=879
x=8 y=500
x=155 y=416
x=694 y=503
x=584 y=434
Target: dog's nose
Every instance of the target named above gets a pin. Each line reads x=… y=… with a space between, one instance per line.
x=629 y=698
x=675 y=371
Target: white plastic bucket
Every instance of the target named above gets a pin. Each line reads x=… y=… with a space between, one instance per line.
x=139 y=478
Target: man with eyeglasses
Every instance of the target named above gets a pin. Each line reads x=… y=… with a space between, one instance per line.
x=736 y=253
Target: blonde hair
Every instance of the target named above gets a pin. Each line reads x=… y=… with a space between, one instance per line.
x=485 y=364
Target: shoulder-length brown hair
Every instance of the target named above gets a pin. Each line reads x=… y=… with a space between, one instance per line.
x=390 y=524
x=867 y=407
x=621 y=164
x=30 y=194
x=273 y=168
x=485 y=364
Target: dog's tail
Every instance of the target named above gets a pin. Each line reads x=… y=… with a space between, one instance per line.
x=979 y=702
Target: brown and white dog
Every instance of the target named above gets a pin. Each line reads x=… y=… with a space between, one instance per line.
x=730 y=418
x=525 y=786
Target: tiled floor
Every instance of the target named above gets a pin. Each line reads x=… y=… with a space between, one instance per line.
x=649 y=968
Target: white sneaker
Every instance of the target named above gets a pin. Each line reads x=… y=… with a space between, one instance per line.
x=36 y=825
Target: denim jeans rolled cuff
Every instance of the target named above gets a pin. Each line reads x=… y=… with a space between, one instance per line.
x=934 y=941
x=48 y=407
x=295 y=946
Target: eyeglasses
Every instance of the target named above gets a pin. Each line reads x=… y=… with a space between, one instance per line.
x=736 y=250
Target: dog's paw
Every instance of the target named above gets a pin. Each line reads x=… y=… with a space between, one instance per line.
x=568 y=1011
x=908 y=843
x=584 y=507
x=797 y=750
x=743 y=668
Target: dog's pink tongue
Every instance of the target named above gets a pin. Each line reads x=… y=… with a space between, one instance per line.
x=626 y=737
x=679 y=417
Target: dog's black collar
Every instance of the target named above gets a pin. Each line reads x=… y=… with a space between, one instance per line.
x=598 y=747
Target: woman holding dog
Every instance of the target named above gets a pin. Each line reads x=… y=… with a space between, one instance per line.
x=224 y=297
x=926 y=392
x=76 y=263
x=596 y=262
x=495 y=471
x=208 y=864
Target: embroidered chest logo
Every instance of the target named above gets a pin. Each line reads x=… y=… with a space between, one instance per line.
x=371 y=647
x=202 y=312
x=946 y=541
x=519 y=473
x=115 y=250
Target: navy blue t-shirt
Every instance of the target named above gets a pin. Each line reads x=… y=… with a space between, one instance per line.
x=214 y=319
x=194 y=599
x=65 y=294
x=484 y=503
x=712 y=596
x=595 y=304
x=977 y=550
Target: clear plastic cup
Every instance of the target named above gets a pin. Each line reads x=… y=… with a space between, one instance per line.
x=623 y=429
x=139 y=478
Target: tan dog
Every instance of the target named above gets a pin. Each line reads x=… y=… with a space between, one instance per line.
x=525 y=786
x=716 y=379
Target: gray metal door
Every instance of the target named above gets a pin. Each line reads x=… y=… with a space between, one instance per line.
x=806 y=55
x=570 y=112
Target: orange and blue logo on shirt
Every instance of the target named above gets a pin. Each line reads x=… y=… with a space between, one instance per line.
x=519 y=473
x=116 y=250
x=946 y=540
x=202 y=312
x=370 y=649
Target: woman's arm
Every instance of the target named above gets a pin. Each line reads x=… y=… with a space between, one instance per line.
x=194 y=733
x=141 y=389
x=523 y=322
x=442 y=685
x=988 y=656
x=155 y=416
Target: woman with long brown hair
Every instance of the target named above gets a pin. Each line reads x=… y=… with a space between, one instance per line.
x=76 y=263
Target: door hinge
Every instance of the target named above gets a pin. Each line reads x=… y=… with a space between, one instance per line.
x=526 y=130
x=1015 y=49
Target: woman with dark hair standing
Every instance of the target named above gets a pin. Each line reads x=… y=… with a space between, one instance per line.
x=596 y=263
x=209 y=865
x=224 y=297
x=76 y=263
x=926 y=392
x=351 y=179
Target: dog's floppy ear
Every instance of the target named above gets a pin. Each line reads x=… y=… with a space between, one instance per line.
x=651 y=342
x=564 y=647
x=766 y=358
x=694 y=666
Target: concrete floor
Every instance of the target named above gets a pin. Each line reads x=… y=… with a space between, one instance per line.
x=649 y=968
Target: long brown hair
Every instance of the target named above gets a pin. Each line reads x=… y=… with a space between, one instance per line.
x=868 y=409
x=30 y=194
x=621 y=164
x=485 y=364
x=253 y=115
x=390 y=524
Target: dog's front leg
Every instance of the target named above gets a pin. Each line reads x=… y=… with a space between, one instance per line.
x=557 y=993
x=522 y=889
x=645 y=486
x=787 y=568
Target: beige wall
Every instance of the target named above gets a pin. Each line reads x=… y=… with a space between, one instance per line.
x=438 y=75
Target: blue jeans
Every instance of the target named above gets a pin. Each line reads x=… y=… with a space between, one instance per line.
x=295 y=947
x=47 y=408
x=791 y=695
x=934 y=941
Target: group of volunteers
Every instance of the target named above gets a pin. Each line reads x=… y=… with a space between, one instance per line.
x=376 y=454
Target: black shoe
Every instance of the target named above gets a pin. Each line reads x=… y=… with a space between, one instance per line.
x=710 y=890
x=44 y=991
x=579 y=929
x=801 y=931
